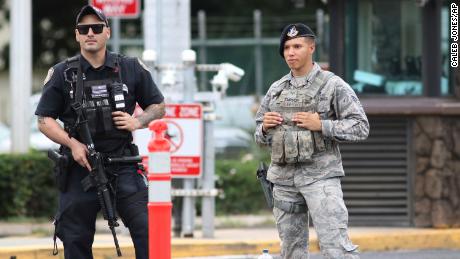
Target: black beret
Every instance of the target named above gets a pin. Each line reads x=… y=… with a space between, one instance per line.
x=292 y=31
x=89 y=9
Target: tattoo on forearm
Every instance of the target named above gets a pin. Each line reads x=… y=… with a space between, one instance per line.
x=41 y=120
x=152 y=112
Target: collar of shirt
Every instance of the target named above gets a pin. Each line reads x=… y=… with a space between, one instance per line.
x=305 y=80
x=110 y=61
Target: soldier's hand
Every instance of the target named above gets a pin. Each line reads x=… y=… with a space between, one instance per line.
x=308 y=120
x=79 y=153
x=125 y=121
x=271 y=119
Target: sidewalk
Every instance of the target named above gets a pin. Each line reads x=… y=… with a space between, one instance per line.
x=240 y=241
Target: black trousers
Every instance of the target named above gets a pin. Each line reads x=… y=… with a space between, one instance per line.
x=76 y=217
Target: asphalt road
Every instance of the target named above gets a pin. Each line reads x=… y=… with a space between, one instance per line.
x=420 y=254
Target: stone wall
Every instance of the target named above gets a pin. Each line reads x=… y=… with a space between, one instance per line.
x=437 y=172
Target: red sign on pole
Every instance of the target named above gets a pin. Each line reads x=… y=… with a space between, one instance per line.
x=118 y=8
x=185 y=133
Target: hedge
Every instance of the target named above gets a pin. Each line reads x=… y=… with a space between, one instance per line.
x=27 y=185
x=28 y=189
x=236 y=178
x=241 y=191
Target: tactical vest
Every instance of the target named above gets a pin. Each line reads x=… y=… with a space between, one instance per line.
x=291 y=143
x=100 y=99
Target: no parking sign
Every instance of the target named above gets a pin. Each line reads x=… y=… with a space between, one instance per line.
x=185 y=132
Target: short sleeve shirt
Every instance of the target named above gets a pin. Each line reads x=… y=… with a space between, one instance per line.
x=56 y=102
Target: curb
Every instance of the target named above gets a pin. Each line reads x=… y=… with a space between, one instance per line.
x=409 y=239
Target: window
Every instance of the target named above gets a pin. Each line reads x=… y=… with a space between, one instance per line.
x=446 y=76
x=384 y=47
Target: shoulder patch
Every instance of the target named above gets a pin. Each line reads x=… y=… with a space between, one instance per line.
x=142 y=64
x=48 y=76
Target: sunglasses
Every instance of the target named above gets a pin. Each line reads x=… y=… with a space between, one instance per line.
x=96 y=28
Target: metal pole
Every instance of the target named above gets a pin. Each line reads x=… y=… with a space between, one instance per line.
x=189 y=63
x=188 y=210
x=149 y=22
x=258 y=51
x=431 y=48
x=319 y=33
x=151 y=35
x=158 y=31
x=20 y=73
x=115 y=34
x=337 y=37
x=203 y=54
x=208 y=202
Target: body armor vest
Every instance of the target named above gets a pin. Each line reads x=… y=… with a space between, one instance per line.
x=100 y=99
x=290 y=143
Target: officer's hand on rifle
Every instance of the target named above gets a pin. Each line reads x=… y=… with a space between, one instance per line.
x=79 y=153
x=308 y=120
x=125 y=121
x=271 y=119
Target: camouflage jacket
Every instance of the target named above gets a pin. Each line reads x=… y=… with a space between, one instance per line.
x=342 y=118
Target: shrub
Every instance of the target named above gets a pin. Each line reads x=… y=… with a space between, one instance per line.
x=237 y=179
x=27 y=185
x=28 y=189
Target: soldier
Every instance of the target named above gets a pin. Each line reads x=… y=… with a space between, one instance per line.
x=302 y=118
x=111 y=84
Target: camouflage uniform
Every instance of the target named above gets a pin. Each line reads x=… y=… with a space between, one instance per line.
x=315 y=180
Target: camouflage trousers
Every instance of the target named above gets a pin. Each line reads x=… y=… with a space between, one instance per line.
x=327 y=209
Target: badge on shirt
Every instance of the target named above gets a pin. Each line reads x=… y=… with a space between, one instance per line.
x=48 y=76
x=142 y=64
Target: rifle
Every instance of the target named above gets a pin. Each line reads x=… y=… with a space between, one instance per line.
x=99 y=179
x=267 y=186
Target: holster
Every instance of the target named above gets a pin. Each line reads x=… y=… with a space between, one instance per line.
x=61 y=166
x=267 y=186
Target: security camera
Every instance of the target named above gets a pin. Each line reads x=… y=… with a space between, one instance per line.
x=220 y=82
x=232 y=72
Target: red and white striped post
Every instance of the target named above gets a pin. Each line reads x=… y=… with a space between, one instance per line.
x=159 y=205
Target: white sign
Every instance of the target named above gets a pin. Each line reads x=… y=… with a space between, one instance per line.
x=185 y=132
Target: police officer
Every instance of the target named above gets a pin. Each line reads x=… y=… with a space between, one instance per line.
x=302 y=118
x=112 y=84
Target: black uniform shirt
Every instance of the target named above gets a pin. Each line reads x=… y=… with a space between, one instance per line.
x=55 y=100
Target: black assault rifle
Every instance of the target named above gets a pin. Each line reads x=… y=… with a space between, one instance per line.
x=99 y=180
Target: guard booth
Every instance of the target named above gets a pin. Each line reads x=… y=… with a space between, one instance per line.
x=406 y=173
x=397 y=56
